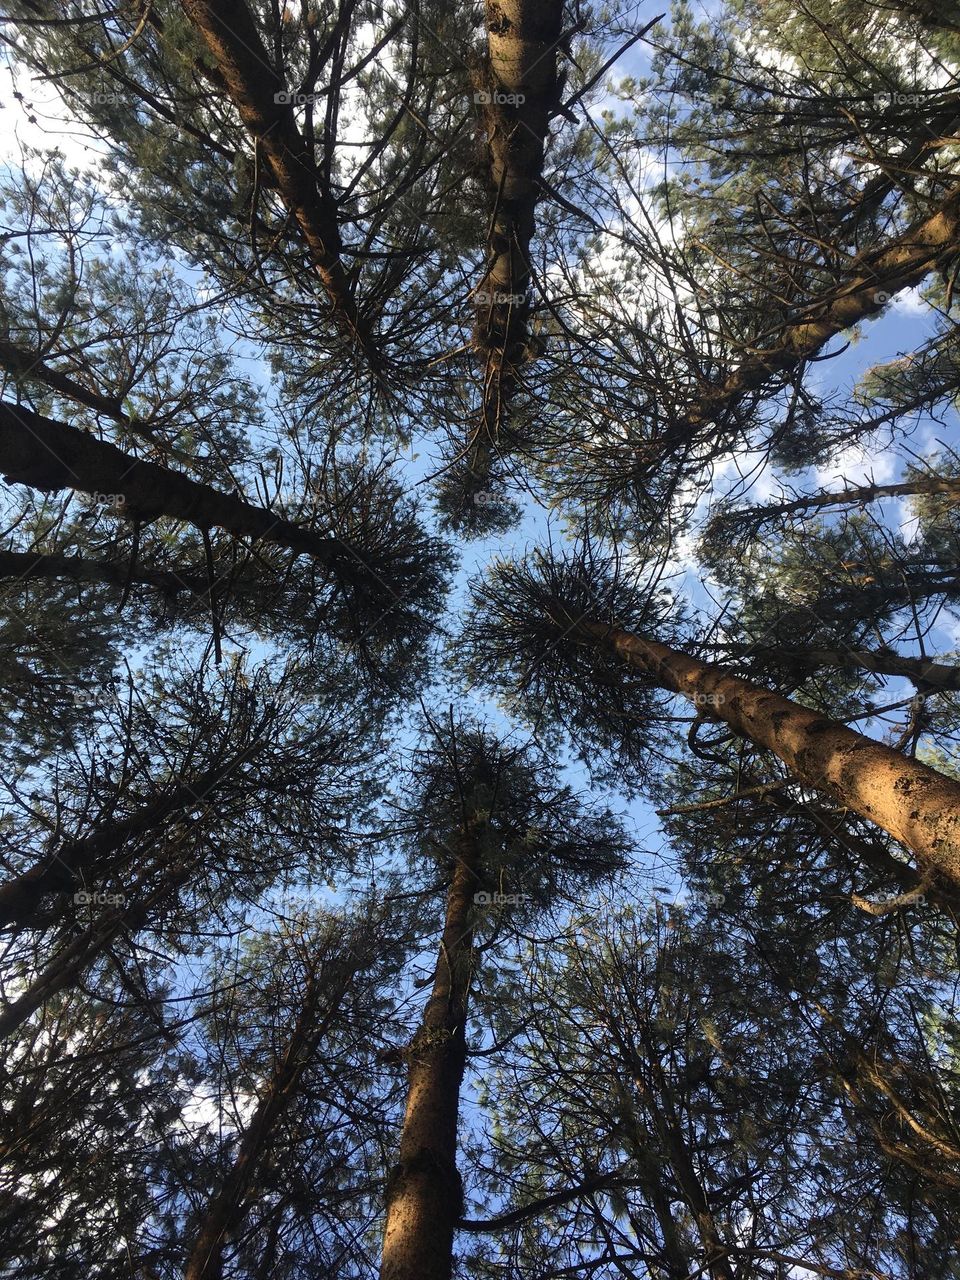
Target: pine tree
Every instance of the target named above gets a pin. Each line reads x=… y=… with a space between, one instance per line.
x=346 y=291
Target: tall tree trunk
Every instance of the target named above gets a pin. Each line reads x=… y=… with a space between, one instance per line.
x=52 y=456
x=227 y=1208
x=870 y=280
x=932 y=485
x=519 y=98
x=70 y=964
x=262 y=99
x=915 y=804
x=670 y=1133
x=424 y=1190
x=74 y=863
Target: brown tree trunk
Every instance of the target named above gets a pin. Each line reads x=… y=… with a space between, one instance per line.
x=52 y=456
x=519 y=92
x=926 y=675
x=670 y=1133
x=871 y=280
x=227 y=1208
x=945 y=486
x=518 y=100
x=254 y=85
x=915 y=804
x=424 y=1191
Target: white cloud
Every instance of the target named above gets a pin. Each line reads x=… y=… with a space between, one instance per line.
x=39 y=118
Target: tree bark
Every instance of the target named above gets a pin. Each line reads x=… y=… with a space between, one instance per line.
x=522 y=93
x=927 y=675
x=69 y=965
x=60 y=871
x=254 y=86
x=872 y=278
x=945 y=486
x=519 y=91
x=227 y=1208
x=52 y=456
x=25 y=566
x=915 y=804
x=424 y=1191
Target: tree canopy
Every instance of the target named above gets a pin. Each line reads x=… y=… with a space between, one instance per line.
x=479 y=670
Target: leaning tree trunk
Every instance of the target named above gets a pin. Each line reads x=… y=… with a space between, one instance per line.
x=919 y=486
x=263 y=101
x=75 y=863
x=68 y=967
x=915 y=804
x=871 y=279
x=926 y=675
x=53 y=456
x=227 y=1209
x=28 y=566
x=28 y=366
x=424 y=1191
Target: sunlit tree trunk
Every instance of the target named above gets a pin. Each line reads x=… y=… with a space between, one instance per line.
x=871 y=280
x=424 y=1192
x=915 y=804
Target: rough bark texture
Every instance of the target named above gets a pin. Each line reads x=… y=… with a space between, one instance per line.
x=926 y=675
x=915 y=804
x=519 y=94
x=254 y=85
x=52 y=456
x=227 y=1208
x=424 y=1192
x=871 y=280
